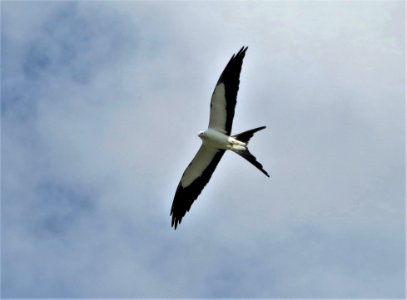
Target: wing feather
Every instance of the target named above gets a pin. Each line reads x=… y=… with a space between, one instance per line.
x=193 y=181
x=223 y=101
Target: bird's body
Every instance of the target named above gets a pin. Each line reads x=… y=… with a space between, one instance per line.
x=215 y=140
x=219 y=140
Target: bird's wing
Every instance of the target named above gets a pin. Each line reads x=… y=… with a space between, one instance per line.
x=223 y=100
x=194 y=179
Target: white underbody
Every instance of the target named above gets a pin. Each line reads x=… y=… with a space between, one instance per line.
x=218 y=140
x=212 y=141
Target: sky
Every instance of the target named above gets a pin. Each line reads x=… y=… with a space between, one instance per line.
x=101 y=103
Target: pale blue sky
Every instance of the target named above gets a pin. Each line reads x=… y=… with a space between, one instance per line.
x=101 y=105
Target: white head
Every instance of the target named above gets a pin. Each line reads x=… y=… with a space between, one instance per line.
x=201 y=134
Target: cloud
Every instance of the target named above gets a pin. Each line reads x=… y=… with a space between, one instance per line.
x=100 y=109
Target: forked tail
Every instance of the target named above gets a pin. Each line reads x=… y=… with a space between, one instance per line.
x=245 y=138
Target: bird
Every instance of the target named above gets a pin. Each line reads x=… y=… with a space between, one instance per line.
x=215 y=140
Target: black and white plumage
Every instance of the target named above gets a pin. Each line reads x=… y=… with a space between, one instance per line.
x=215 y=140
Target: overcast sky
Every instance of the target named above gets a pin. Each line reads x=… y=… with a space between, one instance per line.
x=101 y=106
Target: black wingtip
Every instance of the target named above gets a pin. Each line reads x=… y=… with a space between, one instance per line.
x=242 y=51
x=175 y=222
x=176 y=216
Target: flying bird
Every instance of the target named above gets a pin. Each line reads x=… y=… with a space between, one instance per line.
x=215 y=140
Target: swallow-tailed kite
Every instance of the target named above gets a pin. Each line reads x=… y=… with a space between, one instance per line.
x=215 y=140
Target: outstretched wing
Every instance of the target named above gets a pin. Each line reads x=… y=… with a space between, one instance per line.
x=223 y=100
x=194 y=179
